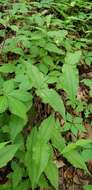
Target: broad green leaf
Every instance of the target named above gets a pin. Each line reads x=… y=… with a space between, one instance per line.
x=43 y=183
x=31 y=139
x=69 y=148
x=87 y=155
x=51 y=172
x=24 y=185
x=17 y=107
x=21 y=95
x=3 y=103
x=88 y=82
x=87 y=187
x=8 y=86
x=16 y=125
x=14 y=27
x=17 y=176
x=76 y=159
x=7 y=68
x=36 y=157
x=36 y=162
x=57 y=140
x=46 y=129
x=51 y=97
x=51 y=47
x=3 y=144
x=70 y=81
x=37 y=78
x=60 y=34
x=73 y=58
x=83 y=142
x=7 y=153
x=72 y=146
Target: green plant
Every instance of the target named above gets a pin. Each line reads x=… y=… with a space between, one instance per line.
x=43 y=47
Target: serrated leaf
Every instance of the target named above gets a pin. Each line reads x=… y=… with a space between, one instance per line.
x=87 y=155
x=57 y=33
x=57 y=140
x=73 y=58
x=37 y=78
x=36 y=162
x=31 y=139
x=51 y=172
x=51 y=97
x=53 y=48
x=76 y=160
x=7 y=153
x=70 y=81
x=16 y=125
x=83 y=142
x=3 y=103
x=17 y=107
x=21 y=95
x=46 y=129
x=37 y=156
x=43 y=183
x=17 y=176
x=72 y=146
x=24 y=185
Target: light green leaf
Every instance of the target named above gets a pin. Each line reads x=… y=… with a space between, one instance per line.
x=87 y=187
x=83 y=142
x=69 y=148
x=17 y=107
x=87 y=82
x=43 y=183
x=51 y=97
x=57 y=33
x=73 y=58
x=36 y=157
x=31 y=139
x=87 y=155
x=36 y=162
x=57 y=140
x=16 y=125
x=70 y=81
x=3 y=144
x=24 y=185
x=51 y=172
x=46 y=129
x=72 y=146
x=21 y=95
x=7 y=153
x=8 y=86
x=7 y=68
x=37 y=78
x=53 y=48
x=17 y=176
x=76 y=160
x=3 y=103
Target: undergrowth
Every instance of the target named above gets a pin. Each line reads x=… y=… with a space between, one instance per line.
x=45 y=91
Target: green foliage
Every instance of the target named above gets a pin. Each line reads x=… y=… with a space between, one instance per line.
x=44 y=52
x=52 y=169
x=7 y=153
x=87 y=187
x=51 y=97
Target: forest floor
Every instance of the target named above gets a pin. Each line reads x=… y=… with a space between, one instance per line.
x=74 y=19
